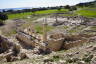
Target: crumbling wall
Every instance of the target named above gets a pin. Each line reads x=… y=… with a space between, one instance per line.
x=56 y=36
x=58 y=41
x=55 y=42
x=72 y=38
x=30 y=30
x=10 y=51
x=86 y=35
x=75 y=40
x=70 y=44
x=25 y=40
x=5 y=44
x=55 y=45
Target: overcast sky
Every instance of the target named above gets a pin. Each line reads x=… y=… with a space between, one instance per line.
x=37 y=3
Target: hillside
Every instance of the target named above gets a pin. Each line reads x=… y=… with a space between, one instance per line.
x=87 y=4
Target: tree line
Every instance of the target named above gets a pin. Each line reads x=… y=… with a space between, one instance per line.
x=38 y=9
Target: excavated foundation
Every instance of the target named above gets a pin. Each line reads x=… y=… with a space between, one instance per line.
x=4 y=44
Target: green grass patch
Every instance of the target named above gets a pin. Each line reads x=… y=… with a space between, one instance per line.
x=56 y=58
x=65 y=27
x=51 y=11
x=88 y=12
x=19 y=15
x=24 y=15
x=39 y=28
x=72 y=31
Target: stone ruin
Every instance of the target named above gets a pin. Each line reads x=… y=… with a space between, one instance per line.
x=4 y=44
x=64 y=20
x=29 y=39
x=73 y=41
x=55 y=42
x=52 y=42
x=9 y=51
x=25 y=40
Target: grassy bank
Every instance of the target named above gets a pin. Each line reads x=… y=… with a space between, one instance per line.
x=24 y=15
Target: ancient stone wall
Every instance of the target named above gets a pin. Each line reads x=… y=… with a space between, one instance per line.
x=25 y=40
x=68 y=45
x=55 y=44
x=58 y=41
x=55 y=41
x=5 y=44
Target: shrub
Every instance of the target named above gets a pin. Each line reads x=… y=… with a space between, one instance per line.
x=1 y=22
x=3 y=16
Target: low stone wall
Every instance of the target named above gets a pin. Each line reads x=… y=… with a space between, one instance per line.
x=56 y=36
x=55 y=41
x=68 y=45
x=55 y=44
x=25 y=40
x=72 y=37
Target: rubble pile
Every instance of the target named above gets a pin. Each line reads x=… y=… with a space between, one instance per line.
x=10 y=51
x=4 y=44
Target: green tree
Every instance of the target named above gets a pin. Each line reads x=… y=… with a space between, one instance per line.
x=59 y=9
x=67 y=7
x=74 y=8
x=3 y=17
x=1 y=22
